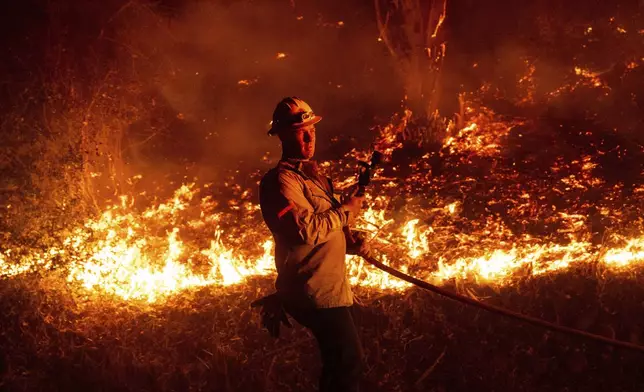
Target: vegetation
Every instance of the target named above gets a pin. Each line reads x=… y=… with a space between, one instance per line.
x=210 y=341
x=412 y=33
x=89 y=101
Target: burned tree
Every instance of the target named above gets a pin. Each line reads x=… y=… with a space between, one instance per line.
x=411 y=30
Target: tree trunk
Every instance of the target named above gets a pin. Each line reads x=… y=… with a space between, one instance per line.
x=416 y=44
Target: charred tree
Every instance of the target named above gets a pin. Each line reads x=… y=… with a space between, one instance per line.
x=411 y=31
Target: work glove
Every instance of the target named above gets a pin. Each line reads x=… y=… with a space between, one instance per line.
x=273 y=313
x=360 y=246
x=353 y=204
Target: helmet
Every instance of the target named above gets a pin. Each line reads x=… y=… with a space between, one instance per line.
x=292 y=113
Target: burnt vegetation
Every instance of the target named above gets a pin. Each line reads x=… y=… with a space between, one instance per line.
x=94 y=95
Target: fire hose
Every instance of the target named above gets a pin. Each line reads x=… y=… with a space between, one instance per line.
x=502 y=311
x=273 y=313
x=364 y=178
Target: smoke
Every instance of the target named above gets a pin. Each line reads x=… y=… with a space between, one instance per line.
x=196 y=81
x=215 y=71
x=515 y=47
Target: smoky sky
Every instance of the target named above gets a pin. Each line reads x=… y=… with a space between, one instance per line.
x=220 y=69
x=204 y=76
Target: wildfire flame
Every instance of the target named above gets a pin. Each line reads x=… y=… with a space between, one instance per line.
x=185 y=242
x=631 y=253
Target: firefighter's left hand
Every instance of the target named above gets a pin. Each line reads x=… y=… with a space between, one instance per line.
x=273 y=313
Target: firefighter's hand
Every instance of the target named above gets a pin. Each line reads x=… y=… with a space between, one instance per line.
x=273 y=314
x=353 y=204
x=360 y=245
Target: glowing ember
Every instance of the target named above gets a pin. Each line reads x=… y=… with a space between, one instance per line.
x=247 y=82
x=481 y=135
x=590 y=75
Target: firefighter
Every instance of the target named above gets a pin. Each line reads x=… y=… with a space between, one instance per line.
x=308 y=224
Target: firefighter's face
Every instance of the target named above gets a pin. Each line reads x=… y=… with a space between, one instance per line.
x=299 y=143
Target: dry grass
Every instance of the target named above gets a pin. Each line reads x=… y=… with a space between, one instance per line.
x=209 y=340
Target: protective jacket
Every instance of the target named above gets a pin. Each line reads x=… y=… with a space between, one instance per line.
x=307 y=222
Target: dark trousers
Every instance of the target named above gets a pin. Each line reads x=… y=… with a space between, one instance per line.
x=339 y=345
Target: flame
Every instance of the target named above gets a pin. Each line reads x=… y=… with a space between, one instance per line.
x=247 y=82
x=362 y=274
x=189 y=241
x=480 y=135
x=111 y=255
x=416 y=243
x=590 y=75
x=116 y=253
x=631 y=253
x=498 y=266
x=233 y=269
x=441 y=20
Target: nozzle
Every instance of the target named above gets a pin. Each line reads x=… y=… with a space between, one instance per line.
x=376 y=158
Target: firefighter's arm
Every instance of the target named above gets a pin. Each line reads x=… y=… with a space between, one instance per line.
x=297 y=218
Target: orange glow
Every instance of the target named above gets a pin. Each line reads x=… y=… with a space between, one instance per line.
x=188 y=240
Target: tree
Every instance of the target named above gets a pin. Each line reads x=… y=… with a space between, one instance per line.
x=411 y=30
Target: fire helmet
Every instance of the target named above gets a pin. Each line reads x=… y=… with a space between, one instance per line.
x=292 y=113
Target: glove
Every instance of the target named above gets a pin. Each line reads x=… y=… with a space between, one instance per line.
x=359 y=246
x=353 y=204
x=273 y=313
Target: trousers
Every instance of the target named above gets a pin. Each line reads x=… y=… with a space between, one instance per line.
x=339 y=345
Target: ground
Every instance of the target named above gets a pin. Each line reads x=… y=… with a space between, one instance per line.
x=210 y=340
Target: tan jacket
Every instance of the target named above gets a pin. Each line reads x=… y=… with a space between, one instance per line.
x=306 y=220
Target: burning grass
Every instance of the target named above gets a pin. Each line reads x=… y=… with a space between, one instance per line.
x=541 y=214
x=153 y=294
x=486 y=215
